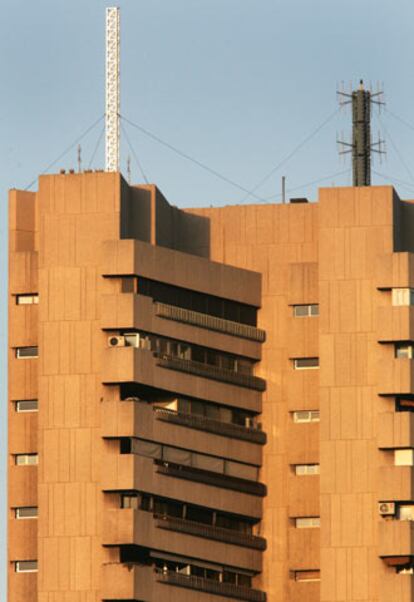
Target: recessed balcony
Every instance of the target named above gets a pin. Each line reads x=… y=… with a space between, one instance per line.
x=227 y=429
x=223 y=481
x=136 y=582
x=210 y=586
x=210 y=371
x=132 y=365
x=230 y=536
x=130 y=472
x=126 y=526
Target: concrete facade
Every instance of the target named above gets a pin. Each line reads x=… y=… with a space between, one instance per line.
x=159 y=340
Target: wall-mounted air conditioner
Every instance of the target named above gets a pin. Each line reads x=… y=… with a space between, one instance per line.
x=116 y=341
x=386 y=508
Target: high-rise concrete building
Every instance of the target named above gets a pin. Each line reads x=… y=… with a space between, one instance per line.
x=210 y=404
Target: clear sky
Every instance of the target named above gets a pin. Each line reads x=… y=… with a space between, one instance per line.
x=236 y=84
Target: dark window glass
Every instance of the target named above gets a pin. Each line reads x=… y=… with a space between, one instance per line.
x=199 y=515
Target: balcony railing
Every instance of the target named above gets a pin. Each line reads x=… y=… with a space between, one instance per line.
x=210 y=586
x=212 y=372
x=230 y=536
x=187 y=316
x=210 y=478
x=202 y=423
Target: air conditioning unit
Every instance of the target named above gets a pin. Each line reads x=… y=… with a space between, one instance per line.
x=386 y=508
x=116 y=341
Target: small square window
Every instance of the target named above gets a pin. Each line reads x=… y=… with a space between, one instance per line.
x=26 y=405
x=404 y=351
x=404 y=457
x=27 y=299
x=26 y=566
x=26 y=352
x=306 y=363
x=26 y=459
x=25 y=512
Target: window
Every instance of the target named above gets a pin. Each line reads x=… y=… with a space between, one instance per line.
x=305 y=311
x=29 y=299
x=404 y=457
x=26 y=566
x=306 y=416
x=402 y=296
x=306 y=363
x=306 y=469
x=406 y=512
x=26 y=405
x=308 y=522
x=307 y=575
x=404 y=351
x=129 y=501
x=26 y=459
x=404 y=404
x=26 y=512
x=26 y=352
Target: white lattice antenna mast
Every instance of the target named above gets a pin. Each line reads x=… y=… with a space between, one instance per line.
x=112 y=103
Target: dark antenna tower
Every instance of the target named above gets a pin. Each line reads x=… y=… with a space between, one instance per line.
x=361 y=146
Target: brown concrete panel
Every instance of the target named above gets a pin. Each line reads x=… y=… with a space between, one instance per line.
x=395 y=429
x=303 y=283
x=304 y=549
x=22 y=486
x=396 y=538
x=22 y=586
x=395 y=323
x=398 y=588
x=395 y=483
x=303 y=495
x=395 y=376
x=303 y=340
x=23 y=272
x=309 y=591
x=303 y=443
x=22 y=432
x=23 y=539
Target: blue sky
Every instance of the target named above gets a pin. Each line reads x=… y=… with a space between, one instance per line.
x=236 y=84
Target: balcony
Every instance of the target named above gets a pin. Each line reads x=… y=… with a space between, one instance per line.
x=137 y=582
x=396 y=538
x=210 y=532
x=395 y=483
x=395 y=430
x=213 y=372
x=396 y=376
x=226 y=429
x=211 y=478
x=395 y=323
x=128 y=472
x=123 y=526
x=210 y=586
x=178 y=314
x=135 y=418
x=132 y=365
